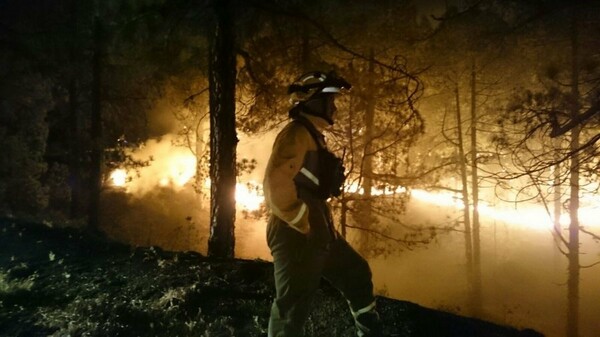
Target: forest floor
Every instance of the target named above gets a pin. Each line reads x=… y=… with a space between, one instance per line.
x=62 y=282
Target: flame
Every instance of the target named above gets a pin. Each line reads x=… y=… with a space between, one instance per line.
x=179 y=171
x=118 y=177
x=174 y=167
x=532 y=216
x=182 y=169
x=248 y=195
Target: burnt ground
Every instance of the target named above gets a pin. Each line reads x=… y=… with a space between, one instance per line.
x=63 y=282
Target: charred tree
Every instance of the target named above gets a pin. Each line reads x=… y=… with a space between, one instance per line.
x=223 y=137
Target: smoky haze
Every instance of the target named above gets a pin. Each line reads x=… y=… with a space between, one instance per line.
x=524 y=274
x=162 y=205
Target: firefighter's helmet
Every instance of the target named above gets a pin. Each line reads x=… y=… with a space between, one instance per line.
x=310 y=85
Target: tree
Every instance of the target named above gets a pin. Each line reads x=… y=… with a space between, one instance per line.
x=23 y=139
x=565 y=99
x=378 y=123
x=467 y=74
x=29 y=184
x=96 y=127
x=222 y=72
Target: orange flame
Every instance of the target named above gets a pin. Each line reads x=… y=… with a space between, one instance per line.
x=118 y=177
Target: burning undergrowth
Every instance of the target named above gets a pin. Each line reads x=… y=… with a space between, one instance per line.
x=57 y=282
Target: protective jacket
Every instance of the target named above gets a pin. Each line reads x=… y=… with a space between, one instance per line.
x=281 y=195
x=300 y=164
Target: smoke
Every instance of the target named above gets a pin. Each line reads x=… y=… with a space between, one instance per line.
x=250 y=233
x=157 y=205
x=257 y=148
x=523 y=274
x=170 y=166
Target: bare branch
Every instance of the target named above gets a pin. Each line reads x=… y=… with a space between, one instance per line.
x=407 y=243
x=558 y=130
x=593 y=235
x=589 y=265
x=193 y=96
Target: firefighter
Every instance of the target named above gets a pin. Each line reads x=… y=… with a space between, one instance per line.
x=300 y=177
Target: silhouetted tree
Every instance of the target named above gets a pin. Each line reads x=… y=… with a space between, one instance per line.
x=473 y=38
x=223 y=139
x=567 y=95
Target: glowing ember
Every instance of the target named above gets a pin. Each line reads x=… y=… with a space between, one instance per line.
x=118 y=177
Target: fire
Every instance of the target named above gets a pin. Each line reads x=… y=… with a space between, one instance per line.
x=532 y=216
x=175 y=167
x=178 y=171
x=248 y=195
x=118 y=177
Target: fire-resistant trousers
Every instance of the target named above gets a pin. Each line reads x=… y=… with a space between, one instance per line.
x=301 y=260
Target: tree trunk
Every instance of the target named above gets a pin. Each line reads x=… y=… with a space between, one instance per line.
x=557 y=190
x=368 y=136
x=557 y=204
x=343 y=216
x=367 y=166
x=78 y=204
x=96 y=128
x=200 y=149
x=476 y=300
x=465 y=195
x=573 y=249
x=223 y=137
x=344 y=209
